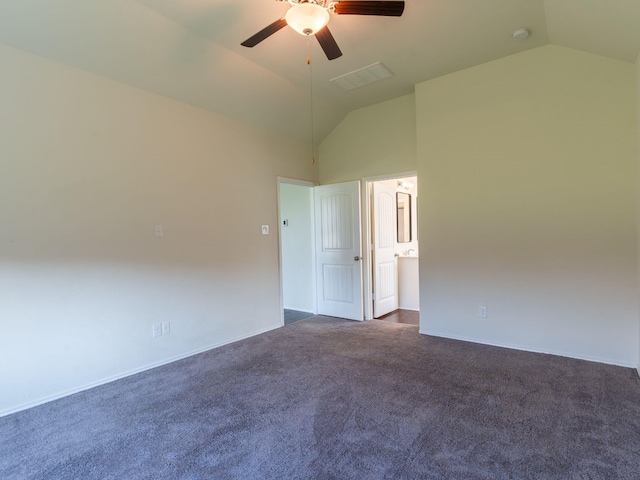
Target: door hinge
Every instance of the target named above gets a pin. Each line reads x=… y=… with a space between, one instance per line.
x=373 y=296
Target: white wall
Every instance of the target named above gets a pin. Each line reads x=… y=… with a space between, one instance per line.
x=89 y=166
x=127 y=41
x=638 y=134
x=528 y=178
x=298 y=253
x=373 y=141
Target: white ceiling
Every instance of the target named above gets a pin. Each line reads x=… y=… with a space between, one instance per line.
x=190 y=50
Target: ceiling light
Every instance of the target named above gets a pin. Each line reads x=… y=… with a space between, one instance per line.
x=520 y=34
x=307 y=18
x=405 y=185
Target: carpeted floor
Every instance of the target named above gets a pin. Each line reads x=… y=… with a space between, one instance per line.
x=330 y=399
x=292 y=316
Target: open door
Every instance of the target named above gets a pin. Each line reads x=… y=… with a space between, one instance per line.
x=338 y=250
x=385 y=263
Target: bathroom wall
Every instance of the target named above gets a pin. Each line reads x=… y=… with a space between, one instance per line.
x=408 y=267
x=402 y=248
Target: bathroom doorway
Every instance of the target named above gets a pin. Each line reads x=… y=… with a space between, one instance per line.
x=391 y=220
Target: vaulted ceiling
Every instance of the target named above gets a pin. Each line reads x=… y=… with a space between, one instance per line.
x=190 y=50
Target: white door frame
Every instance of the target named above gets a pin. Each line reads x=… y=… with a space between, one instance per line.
x=367 y=244
x=293 y=181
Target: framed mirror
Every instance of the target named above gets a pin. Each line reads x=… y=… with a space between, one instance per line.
x=403 y=204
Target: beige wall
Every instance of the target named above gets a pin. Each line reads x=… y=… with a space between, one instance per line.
x=638 y=216
x=298 y=252
x=376 y=140
x=89 y=166
x=527 y=172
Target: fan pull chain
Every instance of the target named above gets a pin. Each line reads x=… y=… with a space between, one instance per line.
x=313 y=158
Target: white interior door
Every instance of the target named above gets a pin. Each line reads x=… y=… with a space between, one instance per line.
x=338 y=255
x=385 y=263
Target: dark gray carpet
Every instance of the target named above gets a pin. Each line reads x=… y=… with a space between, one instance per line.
x=292 y=316
x=330 y=399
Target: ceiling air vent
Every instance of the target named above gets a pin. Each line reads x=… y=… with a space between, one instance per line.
x=363 y=76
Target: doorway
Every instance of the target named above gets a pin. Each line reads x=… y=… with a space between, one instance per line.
x=296 y=238
x=320 y=242
x=391 y=220
x=303 y=273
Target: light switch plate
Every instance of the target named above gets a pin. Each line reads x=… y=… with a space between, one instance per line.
x=157 y=329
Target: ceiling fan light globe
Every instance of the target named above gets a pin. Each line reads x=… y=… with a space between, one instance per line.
x=307 y=18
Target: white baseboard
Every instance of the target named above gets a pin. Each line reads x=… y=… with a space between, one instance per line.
x=532 y=350
x=113 y=378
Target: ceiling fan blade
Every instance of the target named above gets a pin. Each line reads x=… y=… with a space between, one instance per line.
x=264 y=33
x=328 y=44
x=366 y=7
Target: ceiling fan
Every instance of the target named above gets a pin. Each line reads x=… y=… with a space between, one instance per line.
x=310 y=17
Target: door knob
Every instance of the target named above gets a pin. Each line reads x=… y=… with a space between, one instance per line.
x=356 y=258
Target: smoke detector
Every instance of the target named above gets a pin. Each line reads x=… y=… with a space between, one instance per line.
x=520 y=34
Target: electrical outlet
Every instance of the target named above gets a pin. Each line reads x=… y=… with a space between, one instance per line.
x=482 y=312
x=265 y=229
x=157 y=329
x=166 y=328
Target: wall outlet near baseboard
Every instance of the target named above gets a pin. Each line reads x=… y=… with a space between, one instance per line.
x=482 y=312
